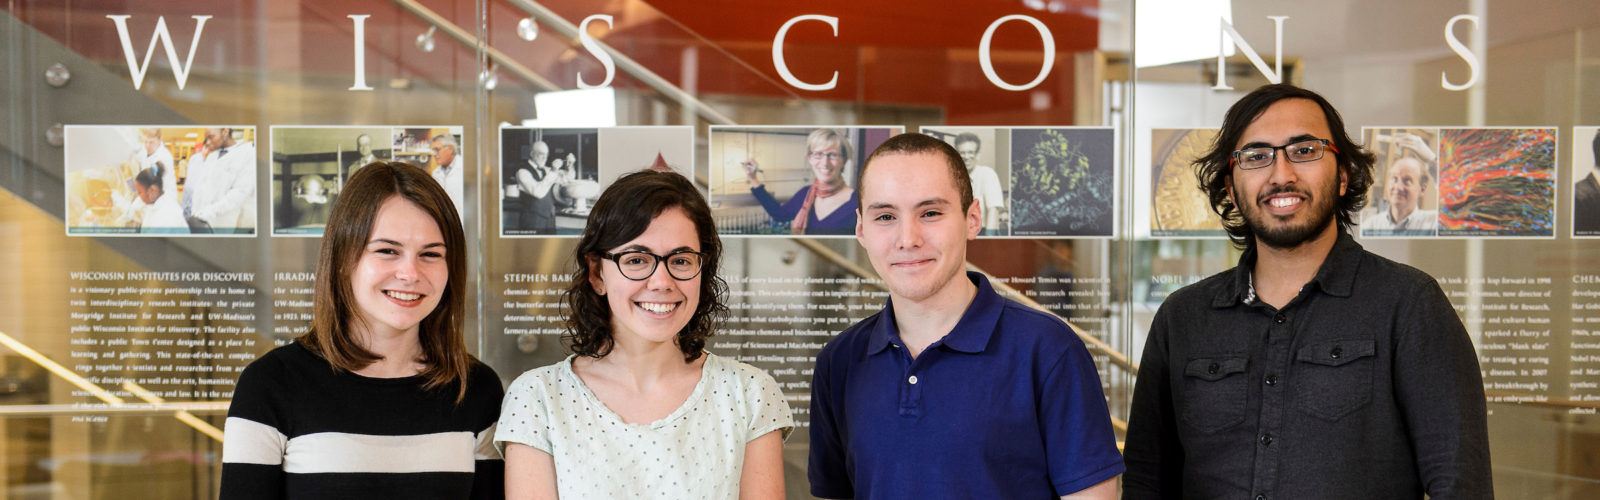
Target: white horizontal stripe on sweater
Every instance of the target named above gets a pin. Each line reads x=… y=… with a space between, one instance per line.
x=325 y=452
x=246 y=441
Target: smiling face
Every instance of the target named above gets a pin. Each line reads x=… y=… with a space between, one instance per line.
x=1404 y=189
x=402 y=272
x=916 y=233
x=657 y=308
x=826 y=162
x=1287 y=204
x=969 y=153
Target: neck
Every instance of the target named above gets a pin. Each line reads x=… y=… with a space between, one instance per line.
x=399 y=351
x=642 y=364
x=1397 y=215
x=923 y=322
x=1280 y=272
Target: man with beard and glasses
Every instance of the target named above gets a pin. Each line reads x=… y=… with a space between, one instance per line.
x=1313 y=369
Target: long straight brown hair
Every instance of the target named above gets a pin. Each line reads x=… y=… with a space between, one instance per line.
x=349 y=227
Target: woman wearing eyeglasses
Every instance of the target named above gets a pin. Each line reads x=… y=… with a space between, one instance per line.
x=826 y=206
x=640 y=408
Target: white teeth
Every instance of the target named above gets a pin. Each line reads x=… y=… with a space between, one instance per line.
x=1283 y=202
x=657 y=307
x=403 y=295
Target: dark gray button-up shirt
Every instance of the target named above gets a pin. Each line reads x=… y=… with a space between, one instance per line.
x=1365 y=385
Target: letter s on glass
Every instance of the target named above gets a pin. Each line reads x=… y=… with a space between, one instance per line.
x=593 y=46
x=1460 y=50
x=783 y=68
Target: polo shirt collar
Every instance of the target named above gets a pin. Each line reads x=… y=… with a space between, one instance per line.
x=1336 y=276
x=970 y=335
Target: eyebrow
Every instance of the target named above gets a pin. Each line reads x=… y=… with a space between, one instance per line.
x=923 y=203
x=387 y=241
x=1292 y=140
x=641 y=248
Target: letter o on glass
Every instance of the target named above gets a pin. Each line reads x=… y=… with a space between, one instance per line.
x=988 y=65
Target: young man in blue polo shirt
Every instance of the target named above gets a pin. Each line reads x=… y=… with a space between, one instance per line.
x=951 y=391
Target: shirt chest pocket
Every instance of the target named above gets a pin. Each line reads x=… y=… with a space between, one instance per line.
x=1335 y=377
x=1214 y=390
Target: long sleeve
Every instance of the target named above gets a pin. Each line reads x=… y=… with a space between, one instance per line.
x=1440 y=392
x=253 y=442
x=240 y=189
x=1153 y=454
x=780 y=212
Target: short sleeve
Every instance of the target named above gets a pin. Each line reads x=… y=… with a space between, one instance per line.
x=765 y=404
x=524 y=417
x=1080 y=446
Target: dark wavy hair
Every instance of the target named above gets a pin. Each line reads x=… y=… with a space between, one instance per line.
x=1215 y=168
x=350 y=223
x=623 y=212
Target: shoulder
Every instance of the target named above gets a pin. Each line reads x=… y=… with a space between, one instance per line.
x=739 y=373
x=279 y=363
x=539 y=381
x=1035 y=332
x=852 y=340
x=1202 y=292
x=1395 y=273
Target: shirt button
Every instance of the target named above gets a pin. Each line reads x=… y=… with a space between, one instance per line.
x=1266 y=439
x=1278 y=318
x=912 y=380
x=1336 y=353
x=1261 y=497
x=1272 y=380
x=1212 y=369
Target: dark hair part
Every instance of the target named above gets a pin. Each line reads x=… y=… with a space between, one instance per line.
x=151 y=177
x=623 y=212
x=909 y=144
x=1215 y=168
x=968 y=137
x=350 y=224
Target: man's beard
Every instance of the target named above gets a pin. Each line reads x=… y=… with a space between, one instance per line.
x=1286 y=236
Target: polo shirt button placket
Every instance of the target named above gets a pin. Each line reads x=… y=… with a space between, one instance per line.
x=912 y=380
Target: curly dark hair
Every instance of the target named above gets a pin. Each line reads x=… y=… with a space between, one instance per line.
x=1215 y=168
x=623 y=212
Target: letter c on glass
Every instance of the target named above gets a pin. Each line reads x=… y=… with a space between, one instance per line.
x=783 y=68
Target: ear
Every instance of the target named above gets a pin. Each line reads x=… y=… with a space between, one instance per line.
x=859 y=224
x=1228 y=185
x=974 y=219
x=596 y=278
x=1344 y=181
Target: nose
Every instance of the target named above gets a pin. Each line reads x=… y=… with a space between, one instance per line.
x=406 y=270
x=1281 y=170
x=660 y=278
x=910 y=234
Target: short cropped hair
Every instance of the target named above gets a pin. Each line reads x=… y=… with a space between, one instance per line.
x=968 y=137
x=623 y=212
x=350 y=223
x=923 y=144
x=446 y=138
x=1215 y=168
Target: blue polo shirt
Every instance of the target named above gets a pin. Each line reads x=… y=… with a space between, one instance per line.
x=1007 y=405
